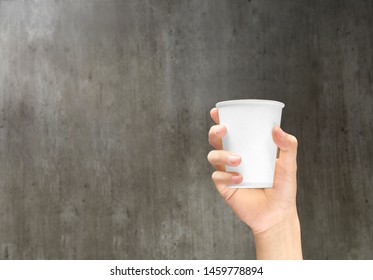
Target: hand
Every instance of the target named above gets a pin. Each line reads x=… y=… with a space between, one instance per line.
x=269 y=212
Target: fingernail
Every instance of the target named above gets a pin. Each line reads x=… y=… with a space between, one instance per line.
x=237 y=179
x=233 y=159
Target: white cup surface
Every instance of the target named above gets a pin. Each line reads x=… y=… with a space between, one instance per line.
x=249 y=124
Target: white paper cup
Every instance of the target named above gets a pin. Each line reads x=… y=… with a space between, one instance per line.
x=249 y=124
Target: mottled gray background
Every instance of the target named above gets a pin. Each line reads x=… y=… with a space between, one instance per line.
x=104 y=119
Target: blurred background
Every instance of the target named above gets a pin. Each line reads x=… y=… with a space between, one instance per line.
x=104 y=115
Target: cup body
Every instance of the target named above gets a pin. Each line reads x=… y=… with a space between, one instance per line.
x=249 y=124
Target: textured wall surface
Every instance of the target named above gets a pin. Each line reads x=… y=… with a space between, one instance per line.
x=104 y=119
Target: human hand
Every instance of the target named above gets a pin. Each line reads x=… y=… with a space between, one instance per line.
x=269 y=212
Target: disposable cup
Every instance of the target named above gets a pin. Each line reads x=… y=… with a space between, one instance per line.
x=249 y=124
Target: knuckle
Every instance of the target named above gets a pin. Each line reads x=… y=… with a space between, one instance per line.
x=211 y=137
x=214 y=176
x=210 y=156
x=293 y=141
x=211 y=131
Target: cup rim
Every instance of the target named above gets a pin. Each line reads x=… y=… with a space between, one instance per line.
x=249 y=101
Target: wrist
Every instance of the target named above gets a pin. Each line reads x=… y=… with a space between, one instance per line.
x=282 y=240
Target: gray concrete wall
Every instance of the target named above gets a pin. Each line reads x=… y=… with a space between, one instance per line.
x=104 y=118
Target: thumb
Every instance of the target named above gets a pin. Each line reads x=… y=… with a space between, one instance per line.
x=288 y=145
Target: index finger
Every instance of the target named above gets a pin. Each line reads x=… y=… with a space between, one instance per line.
x=214 y=113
